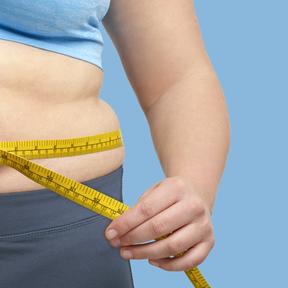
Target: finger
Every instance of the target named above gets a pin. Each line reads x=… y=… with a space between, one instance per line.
x=163 y=223
x=192 y=258
x=177 y=242
x=162 y=197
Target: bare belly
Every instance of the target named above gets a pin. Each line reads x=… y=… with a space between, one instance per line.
x=45 y=95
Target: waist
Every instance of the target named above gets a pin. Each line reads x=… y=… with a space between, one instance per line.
x=21 y=119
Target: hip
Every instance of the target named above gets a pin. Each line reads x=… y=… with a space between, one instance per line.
x=42 y=231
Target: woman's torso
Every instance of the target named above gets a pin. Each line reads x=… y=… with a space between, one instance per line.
x=46 y=95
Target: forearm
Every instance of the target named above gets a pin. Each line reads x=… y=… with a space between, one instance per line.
x=189 y=126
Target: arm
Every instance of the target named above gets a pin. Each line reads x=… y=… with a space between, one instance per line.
x=162 y=52
x=195 y=143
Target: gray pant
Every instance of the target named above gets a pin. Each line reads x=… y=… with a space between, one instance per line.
x=47 y=240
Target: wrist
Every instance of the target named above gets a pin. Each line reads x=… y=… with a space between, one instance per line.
x=207 y=195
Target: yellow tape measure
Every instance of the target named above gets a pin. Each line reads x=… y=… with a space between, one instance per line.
x=16 y=154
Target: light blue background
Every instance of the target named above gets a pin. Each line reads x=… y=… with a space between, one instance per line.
x=247 y=44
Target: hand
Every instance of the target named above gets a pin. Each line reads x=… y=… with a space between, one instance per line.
x=169 y=206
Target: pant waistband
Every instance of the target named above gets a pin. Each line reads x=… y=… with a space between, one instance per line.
x=26 y=211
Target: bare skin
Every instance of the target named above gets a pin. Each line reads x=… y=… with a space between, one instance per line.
x=161 y=49
x=43 y=96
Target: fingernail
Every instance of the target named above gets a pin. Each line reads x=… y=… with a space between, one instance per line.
x=115 y=242
x=153 y=263
x=111 y=233
x=126 y=254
